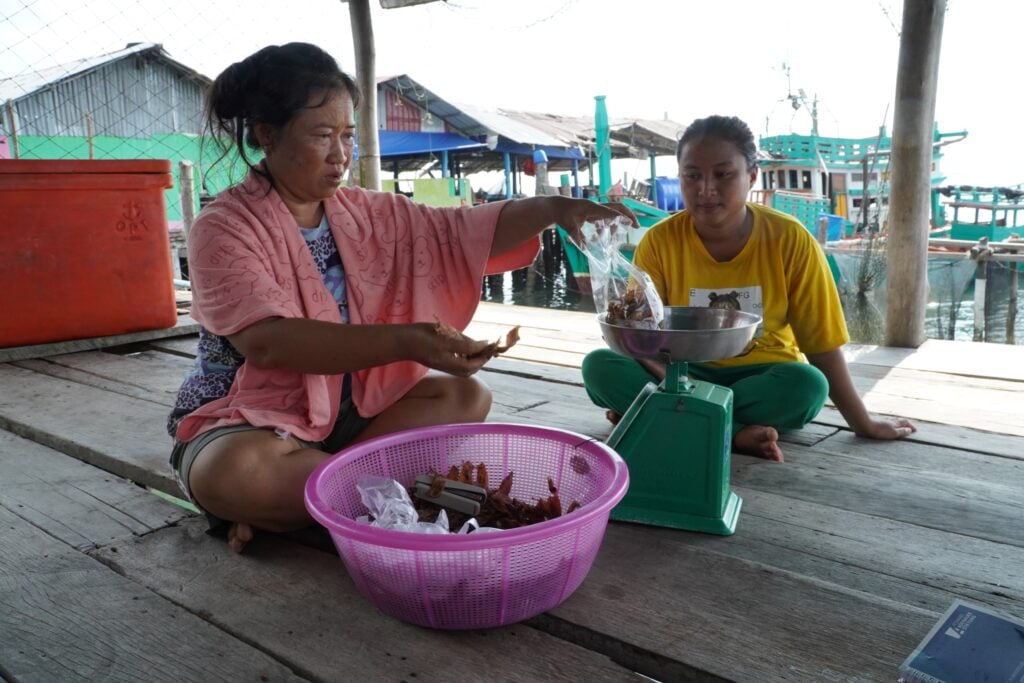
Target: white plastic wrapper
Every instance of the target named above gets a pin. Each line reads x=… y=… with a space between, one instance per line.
x=620 y=289
x=391 y=507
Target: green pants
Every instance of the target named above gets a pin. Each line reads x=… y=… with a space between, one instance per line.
x=782 y=395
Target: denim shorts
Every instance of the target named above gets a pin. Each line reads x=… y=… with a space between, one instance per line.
x=184 y=453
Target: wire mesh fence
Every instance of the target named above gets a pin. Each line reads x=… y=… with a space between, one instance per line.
x=124 y=79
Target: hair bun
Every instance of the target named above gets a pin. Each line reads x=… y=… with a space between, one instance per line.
x=231 y=89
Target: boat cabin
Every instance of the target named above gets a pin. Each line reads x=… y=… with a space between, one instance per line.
x=996 y=213
x=811 y=175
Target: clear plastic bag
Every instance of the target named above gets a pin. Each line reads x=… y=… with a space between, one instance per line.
x=620 y=289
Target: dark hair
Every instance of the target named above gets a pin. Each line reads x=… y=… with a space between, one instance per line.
x=270 y=87
x=727 y=128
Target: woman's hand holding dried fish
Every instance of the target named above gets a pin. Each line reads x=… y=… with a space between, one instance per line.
x=447 y=350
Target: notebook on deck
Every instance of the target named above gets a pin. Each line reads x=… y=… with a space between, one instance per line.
x=969 y=644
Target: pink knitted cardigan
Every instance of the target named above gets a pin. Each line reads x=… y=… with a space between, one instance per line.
x=404 y=262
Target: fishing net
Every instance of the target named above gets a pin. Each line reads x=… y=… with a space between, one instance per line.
x=862 y=281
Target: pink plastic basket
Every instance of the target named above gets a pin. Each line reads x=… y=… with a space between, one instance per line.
x=480 y=580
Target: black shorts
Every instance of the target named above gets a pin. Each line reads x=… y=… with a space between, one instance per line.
x=184 y=453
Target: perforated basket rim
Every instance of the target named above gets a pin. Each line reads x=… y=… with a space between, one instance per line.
x=339 y=524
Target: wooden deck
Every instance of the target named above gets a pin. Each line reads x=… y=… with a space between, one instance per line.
x=844 y=556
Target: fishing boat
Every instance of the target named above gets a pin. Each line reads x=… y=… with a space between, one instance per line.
x=995 y=214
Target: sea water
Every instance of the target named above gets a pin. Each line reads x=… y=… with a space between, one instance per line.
x=535 y=287
x=949 y=313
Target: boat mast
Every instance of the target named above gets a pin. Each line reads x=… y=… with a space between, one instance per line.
x=800 y=100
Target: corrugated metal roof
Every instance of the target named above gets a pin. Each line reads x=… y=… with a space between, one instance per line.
x=133 y=93
x=571 y=130
x=472 y=120
x=657 y=136
x=670 y=130
x=633 y=138
x=630 y=137
x=124 y=101
x=498 y=122
x=414 y=92
x=26 y=83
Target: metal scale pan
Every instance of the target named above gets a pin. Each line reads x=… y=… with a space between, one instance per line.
x=690 y=334
x=676 y=437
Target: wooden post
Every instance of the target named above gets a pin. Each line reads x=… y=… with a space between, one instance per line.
x=175 y=264
x=913 y=129
x=865 y=195
x=980 y=291
x=1011 y=309
x=507 y=160
x=654 y=179
x=88 y=133
x=541 y=176
x=15 y=150
x=531 y=282
x=187 y=192
x=542 y=188
x=980 y=252
x=822 y=230
x=366 y=124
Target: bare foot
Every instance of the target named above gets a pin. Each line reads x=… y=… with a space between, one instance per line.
x=612 y=416
x=238 y=535
x=759 y=441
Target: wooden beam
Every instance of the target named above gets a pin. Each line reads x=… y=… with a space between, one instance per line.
x=397 y=4
x=366 y=114
x=910 y=201
x=187 y=191
x=185 y=325
x=13 y=118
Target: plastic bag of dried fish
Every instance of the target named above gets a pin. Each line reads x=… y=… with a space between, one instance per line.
x=619 y=287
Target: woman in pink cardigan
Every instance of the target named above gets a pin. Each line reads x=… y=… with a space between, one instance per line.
x=318 y=302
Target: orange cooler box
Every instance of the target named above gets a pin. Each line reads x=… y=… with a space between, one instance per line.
x=84 y=250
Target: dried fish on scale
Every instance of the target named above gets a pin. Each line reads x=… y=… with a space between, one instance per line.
x=632 y=307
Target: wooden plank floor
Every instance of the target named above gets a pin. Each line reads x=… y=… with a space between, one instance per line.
x=843 y=558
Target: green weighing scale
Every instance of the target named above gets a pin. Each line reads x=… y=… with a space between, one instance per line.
x=676 y=437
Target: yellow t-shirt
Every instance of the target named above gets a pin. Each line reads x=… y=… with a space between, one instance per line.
x=781 y=274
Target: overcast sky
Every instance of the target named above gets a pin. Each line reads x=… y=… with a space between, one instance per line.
x=650 y=58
